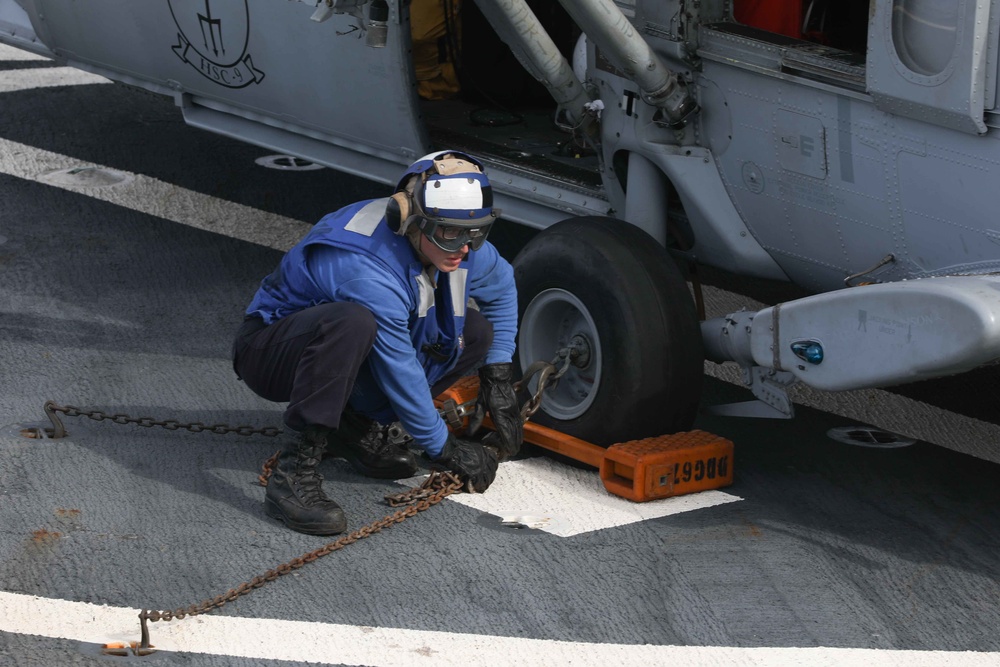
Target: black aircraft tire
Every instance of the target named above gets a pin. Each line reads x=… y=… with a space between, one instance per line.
x=611 y=285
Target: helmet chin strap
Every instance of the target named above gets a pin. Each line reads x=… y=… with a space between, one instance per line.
x=429 y=269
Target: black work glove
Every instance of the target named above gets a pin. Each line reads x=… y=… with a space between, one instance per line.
x=496 y=394
x=475 y=464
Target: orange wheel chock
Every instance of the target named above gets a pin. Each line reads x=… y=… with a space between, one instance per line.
x=638 y=470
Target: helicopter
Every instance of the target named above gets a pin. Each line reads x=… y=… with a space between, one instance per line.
x=841 y=147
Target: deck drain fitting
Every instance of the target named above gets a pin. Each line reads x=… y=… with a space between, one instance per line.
x=31 y=430
x=86 y=177
x=866 y=436
x=38 y=433
x=126 y=650
x=287 y=163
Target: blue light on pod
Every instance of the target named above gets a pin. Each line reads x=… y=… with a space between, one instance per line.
x=808 y=350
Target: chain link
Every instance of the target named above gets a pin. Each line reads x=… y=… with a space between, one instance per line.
x=267 y=469
x=59 y=431
x=548 y=377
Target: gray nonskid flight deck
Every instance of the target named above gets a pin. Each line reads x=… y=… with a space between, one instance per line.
x=107 y=308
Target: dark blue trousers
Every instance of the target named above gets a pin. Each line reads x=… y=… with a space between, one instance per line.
x=311 y=359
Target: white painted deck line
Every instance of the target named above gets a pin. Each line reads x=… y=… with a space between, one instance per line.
x=161 y=199
x=28 y=79
x=272 y=639
x=565 y=501
x=12 y=53
x=148 y=195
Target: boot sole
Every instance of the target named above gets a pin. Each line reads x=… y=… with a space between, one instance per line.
x=329 y=528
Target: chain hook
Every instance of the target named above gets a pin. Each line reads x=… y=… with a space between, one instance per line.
x=58 y=430
x=566 y=354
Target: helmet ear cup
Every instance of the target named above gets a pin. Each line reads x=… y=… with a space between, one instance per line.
x=399 y=208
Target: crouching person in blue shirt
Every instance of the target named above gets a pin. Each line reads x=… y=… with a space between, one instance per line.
x=366 y=320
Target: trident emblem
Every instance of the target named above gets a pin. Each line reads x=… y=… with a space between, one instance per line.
x=214 y=28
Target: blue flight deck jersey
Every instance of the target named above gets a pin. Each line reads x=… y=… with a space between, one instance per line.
x=352 y=255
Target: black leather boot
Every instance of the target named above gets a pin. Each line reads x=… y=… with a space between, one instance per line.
x=295 y=492
x=367 y=446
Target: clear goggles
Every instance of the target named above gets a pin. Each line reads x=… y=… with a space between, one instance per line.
x=451 y=237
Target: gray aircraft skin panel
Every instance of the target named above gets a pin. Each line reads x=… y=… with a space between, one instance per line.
x=830 y=185
x=780 y=164
x=263 y=58
x=927 y=60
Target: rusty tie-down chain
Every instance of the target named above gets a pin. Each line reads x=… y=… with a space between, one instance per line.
x=548 y=375
x=59 y=431
x=436 y=488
